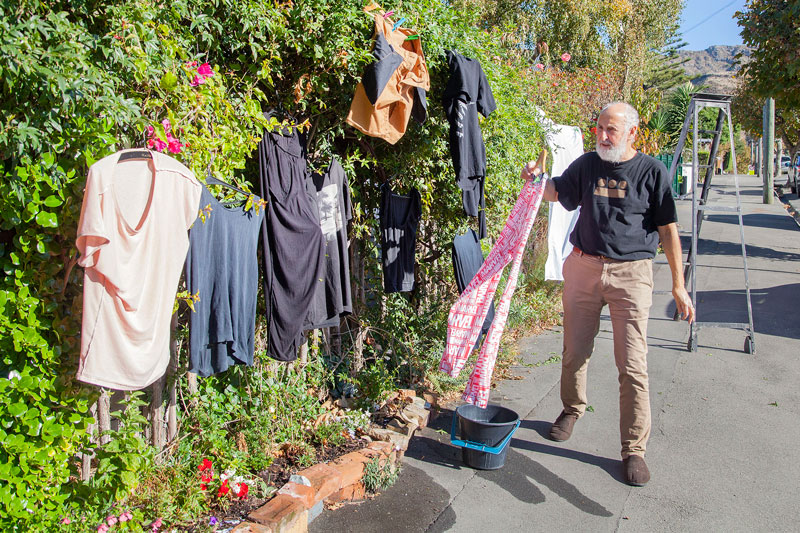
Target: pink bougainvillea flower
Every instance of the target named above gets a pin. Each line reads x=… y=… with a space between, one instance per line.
x=126 y=516
x=565 y=57
x=66 y=520
x=191 y=64
x=111 y=520
x=150 y=131
x=102 y=528
x=156 y=144
x=539 y=66
x=157 y=524
x=223 y=489
x=205 y=465
x=167 y=125
x=198 y=80
x=242 y=490
x=174 y=146
x=204 y=70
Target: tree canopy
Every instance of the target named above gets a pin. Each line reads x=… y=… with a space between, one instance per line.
x=772 y=29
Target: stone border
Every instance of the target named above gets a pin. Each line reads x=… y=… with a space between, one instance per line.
x=301 y=500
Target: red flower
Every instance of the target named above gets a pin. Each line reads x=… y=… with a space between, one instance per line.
x=203 y=486
x=242 y=490
x=565 y=57
x=593 y=130
x=223 y=489
x=205 y=465
x=207 y=476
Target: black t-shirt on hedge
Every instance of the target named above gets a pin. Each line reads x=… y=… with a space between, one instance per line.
x=622 y=204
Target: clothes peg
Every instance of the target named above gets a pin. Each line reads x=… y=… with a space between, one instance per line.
x=397 y=24
x=412 y=37
x=390 y=13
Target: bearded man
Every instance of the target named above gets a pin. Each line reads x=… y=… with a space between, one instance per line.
x=626 y=208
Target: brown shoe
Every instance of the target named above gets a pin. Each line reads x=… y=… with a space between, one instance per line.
x=562 y=427
x=635 y=471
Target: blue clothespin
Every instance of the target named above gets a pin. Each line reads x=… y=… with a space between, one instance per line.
x=397 y=24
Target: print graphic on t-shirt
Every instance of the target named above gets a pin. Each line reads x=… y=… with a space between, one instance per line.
x=611 y=188
x=461 y=111
x=330 y=217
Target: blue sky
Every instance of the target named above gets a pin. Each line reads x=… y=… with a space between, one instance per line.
x=705 y=23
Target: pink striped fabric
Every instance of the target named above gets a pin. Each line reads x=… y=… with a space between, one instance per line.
x=469 y=311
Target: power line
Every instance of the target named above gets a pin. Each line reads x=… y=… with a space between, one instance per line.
x=712 y=15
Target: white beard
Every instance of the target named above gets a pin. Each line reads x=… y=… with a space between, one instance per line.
x=613 y=154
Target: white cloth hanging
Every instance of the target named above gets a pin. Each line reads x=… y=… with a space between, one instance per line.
x=566 y=145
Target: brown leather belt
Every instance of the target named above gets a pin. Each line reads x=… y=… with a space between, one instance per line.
x=598 y=257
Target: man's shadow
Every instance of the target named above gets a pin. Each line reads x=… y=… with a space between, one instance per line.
x=520 y=472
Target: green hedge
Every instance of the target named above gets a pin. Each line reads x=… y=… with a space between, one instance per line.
x=83 y=79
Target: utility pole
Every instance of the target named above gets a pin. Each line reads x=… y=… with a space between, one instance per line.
x=769 y=149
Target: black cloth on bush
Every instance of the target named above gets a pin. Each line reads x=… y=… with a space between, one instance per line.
x=467 y=260
x=294 y=247
x=399 y=216
x=222 y=269
x=333 y=297
x=468 y=93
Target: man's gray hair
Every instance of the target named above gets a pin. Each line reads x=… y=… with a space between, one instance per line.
x=630 y=113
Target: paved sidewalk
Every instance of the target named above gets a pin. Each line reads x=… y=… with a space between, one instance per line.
x=725 y=445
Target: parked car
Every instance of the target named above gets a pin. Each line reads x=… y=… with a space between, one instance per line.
x=786 y=163
x=794 y=173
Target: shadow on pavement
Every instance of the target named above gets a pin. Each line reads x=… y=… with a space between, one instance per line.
x=756 y=220
x=769 y=316
x=520 y=474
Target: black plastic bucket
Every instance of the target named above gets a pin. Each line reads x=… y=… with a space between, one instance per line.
x=489 y=427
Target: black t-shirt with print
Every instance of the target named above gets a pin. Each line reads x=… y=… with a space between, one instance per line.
x=622 y=204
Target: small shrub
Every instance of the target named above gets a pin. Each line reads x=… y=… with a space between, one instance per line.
x=379 y=474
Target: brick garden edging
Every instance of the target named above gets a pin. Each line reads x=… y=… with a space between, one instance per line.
x=301 y=500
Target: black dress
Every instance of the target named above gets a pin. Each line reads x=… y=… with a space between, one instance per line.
x=294 y=247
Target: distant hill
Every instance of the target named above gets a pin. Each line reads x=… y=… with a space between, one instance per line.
x=715 y=67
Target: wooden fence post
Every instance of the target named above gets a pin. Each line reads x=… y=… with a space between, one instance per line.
x=172 y=406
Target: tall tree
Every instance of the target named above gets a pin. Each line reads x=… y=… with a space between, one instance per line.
x=772 y=29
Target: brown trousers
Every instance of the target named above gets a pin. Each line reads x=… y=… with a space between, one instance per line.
x=626 y=286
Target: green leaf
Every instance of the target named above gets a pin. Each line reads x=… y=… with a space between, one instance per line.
x=168 y=81
x=17 y=409
x=47 y=220
x=53 y=201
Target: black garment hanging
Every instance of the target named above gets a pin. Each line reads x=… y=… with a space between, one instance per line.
x=294 y=247
x=467 y=260
x=333 y=296
x=222 y=269
x=468 y=93
x=399 y=216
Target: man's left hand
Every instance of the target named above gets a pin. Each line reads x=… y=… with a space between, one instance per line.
x=684 y=303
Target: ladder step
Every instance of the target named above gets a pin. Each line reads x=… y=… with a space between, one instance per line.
x=704 y=166
x=726 y=208
x=733 y=325
x=712 y=132
x=705 y=140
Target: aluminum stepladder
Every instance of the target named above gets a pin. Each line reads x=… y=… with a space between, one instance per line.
x=700 y=205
